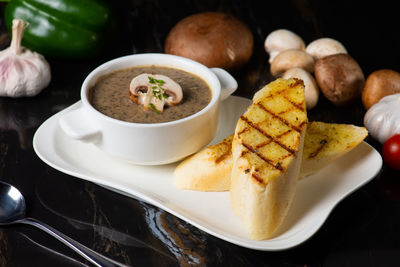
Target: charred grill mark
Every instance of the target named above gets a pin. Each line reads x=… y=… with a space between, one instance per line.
x=301 y=124
x=263 y=144
x=299 y=106
x=296 y=83
x=257 y=178
x=283 y=134
x=242 y=131
x=279 y=165
x=283 y=157
x=224 y=149
x=266 y=134
x=286 y=111
x=227 y=141
x=223 y=156
x=323 y=142
x=279 y=118
x=270 y=162
x=276 y=93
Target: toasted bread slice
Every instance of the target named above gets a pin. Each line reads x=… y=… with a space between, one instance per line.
x=266 y=149
x=326 y=142
x=210 y=169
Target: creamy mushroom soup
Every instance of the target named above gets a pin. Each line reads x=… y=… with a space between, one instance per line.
x=110 y=95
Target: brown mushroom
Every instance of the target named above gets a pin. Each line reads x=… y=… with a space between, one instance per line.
x=154 y=91
x=380 y=83
x=213 y=39
x=292 y=58
x=340 y=78
x=325 y=47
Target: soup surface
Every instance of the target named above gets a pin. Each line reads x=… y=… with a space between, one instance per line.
x=110 y=95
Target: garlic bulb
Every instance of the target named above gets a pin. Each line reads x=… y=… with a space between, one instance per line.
x=383 y=119
x=22 y=72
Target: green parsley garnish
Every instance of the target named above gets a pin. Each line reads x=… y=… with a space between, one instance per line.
x=151 y=80
x=158 y=90
x=153 y=108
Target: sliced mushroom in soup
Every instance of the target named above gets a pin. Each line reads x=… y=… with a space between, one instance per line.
x=153 y=91
x=149 y=94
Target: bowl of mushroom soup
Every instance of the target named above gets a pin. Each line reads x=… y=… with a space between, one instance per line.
x=149 y=109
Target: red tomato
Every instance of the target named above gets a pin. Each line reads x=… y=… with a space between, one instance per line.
x=391 y=151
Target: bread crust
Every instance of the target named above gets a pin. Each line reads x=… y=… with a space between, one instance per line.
x=262 y=207
x=208 y=170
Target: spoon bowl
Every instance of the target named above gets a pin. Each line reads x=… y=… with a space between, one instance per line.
x=13 y=210
x=12 y=204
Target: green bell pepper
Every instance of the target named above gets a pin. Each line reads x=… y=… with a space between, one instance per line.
x=62 y=28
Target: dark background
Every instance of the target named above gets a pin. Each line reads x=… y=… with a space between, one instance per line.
x=363 y=230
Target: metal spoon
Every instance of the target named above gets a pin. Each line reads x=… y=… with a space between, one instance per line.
x=12 y=210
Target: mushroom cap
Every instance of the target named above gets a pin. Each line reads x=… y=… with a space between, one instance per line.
x=213 y=39
x=291 y=59
x=379 y=84
x=281 y=40
x=325 y=47
x=310 y=85
x=141 y=91
x=340 y=78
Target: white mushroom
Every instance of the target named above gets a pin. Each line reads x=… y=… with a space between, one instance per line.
x=281 y=40
x=153 y=91
x=310 y=85
x=324 y=47
x=291 y=59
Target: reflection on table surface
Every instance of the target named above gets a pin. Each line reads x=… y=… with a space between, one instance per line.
x=361 y=231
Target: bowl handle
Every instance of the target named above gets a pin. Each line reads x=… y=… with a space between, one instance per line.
x=77 y=125
x=228 y=83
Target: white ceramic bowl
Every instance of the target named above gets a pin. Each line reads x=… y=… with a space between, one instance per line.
x=153 y=143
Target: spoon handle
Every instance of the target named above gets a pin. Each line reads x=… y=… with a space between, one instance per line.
x=90 y=255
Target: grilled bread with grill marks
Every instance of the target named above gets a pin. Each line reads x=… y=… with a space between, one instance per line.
x=326 y=142
x=210 y=169
x=267 y=151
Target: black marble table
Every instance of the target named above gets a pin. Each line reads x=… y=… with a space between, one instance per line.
x=362 y=230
